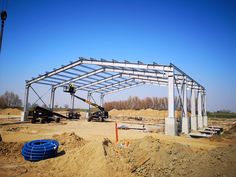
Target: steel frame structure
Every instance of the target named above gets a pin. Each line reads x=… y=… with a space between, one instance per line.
x=110 y=76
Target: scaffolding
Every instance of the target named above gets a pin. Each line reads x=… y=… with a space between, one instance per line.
x=110 y=76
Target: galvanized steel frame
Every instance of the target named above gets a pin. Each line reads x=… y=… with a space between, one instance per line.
x=110 y=76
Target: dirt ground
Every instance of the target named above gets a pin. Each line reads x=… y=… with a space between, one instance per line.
x=89 y=149
x=10 y=111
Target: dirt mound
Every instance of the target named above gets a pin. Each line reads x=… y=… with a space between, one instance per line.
x=69 y=141
x=150 y=157
x=10 y=111
x=145 y=113
x=10 y=148
x=147 y=156
x=228 y=135
x=232 y=129
x=231 y=133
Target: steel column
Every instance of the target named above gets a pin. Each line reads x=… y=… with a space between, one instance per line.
x=88 y=98
x=185 y=119
x=205 y=118
x=52 y=98
x=199 y=117
x=194 y=122
x=72 y=103
x=24 y=117
x=101 y=100
x=170 y=122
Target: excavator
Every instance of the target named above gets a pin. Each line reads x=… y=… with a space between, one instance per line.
x=100 y=115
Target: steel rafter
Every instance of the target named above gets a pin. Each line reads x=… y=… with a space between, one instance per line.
x=93 y=75
x=112 y=85
x=124 y=88
x=100 y=81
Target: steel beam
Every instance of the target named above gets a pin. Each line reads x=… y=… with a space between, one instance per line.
x=125 y=64
x=179 y=70
x=79 y=77
x=100 y=81
x=144 y=73
x=117 y=90
x=43 y=83
x=112 y=85
x=51 y=81
x=71 y=65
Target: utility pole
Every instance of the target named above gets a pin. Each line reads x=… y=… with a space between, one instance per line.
x=3 y=18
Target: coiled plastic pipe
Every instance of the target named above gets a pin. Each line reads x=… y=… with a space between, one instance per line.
x=40 y=149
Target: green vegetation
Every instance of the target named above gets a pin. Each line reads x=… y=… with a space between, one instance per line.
x=221 y=114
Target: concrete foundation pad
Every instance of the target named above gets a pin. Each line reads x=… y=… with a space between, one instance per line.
x=170 y=126
x=200 y=122
x=194 y=122
x=185 y=125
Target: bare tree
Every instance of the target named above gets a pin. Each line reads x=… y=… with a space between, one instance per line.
x=10 y=99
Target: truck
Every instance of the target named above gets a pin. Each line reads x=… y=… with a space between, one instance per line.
x=43 y=115
x=100 y=115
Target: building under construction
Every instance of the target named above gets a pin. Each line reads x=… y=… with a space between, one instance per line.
x=109 y=76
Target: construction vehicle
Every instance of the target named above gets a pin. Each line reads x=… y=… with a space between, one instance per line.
x=73 y=115
x=98 y=115
x=43 y=115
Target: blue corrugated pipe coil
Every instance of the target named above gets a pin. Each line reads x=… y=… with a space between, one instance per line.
x=40 y=149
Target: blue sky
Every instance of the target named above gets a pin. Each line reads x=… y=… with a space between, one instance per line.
x=197 y=36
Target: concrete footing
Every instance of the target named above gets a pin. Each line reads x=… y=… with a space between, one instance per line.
x=22 y=118
x=194 y=122
x=205 y=121
x=185 y=125
x=170 y=126
x=200 y=122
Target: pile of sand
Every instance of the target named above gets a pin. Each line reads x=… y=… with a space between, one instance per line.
x=10 y=148
x=69 y=140
x=150 y=157
x=140 y=157
x=10 y=111
x=144 y=113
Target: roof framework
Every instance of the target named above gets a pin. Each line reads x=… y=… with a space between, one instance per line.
x=110 y=76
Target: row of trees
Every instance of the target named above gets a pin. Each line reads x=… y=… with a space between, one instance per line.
x=10 y=99
x=148 y=102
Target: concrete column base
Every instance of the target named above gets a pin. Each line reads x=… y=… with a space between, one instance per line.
x=24 y=116
x=200 y=122
x=185 y=125
x=170 y=126
x=194 y=122
x=205 y=121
